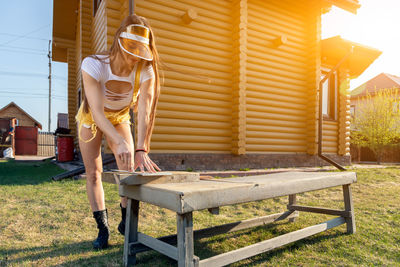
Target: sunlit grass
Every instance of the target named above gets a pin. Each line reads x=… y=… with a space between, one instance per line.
x=45 y=223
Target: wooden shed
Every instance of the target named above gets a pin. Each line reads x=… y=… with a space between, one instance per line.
x=264 y=60
x=26 y=129
x=12 y=110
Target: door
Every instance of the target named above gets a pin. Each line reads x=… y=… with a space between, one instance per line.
x=26 y=140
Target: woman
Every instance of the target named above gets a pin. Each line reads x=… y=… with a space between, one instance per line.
x=114 y=81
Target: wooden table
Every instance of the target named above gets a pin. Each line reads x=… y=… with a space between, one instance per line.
x=186 y=197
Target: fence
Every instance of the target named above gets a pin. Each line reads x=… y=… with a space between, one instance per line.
x=391 y=154
x=46 y=144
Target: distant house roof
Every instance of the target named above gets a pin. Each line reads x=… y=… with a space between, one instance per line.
x=22 y=111
x=379 y=82
x=335 y=48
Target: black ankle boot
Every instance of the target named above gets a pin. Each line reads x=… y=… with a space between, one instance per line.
x=101 y=218
x=121 y=226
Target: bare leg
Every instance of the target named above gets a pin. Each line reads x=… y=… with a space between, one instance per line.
x=125 y=131
x=91 y=154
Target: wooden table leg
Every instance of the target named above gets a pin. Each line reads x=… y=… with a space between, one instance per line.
x=348 y=206
x=185 y=239
x=293 y=201
x=131 y=231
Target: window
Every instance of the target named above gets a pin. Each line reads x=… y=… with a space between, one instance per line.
x=329 y=96
x=96 y=4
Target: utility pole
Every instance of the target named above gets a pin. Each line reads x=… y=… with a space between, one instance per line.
x=49 y=56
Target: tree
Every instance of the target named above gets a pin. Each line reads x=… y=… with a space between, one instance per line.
x=376 y=121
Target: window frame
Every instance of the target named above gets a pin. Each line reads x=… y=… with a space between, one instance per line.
x=332 y=98
x=79 y=96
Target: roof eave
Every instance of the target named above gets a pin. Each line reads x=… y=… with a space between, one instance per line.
x=64 y=27
x=348 y=5
x=334 y=48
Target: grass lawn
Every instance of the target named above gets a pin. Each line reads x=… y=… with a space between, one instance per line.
x=45 y=223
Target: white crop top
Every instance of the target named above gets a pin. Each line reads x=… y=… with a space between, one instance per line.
x=101 y=72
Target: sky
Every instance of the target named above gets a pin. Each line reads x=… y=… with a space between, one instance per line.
x=375 y=25
x=25 y=31
x=26 y=28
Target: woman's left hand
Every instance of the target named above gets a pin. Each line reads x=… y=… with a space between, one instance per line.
x=142 y=161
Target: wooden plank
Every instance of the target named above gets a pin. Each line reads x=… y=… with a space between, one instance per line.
x=158 y=245
x=222 y=229
x=348 y=206
x=204 y=194
x=138 y=178
x=267 y=245
x=131 y=231
x=342 y=213
x=185 y=239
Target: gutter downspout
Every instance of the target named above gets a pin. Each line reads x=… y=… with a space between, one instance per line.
x=131 y=7
x=320 y=116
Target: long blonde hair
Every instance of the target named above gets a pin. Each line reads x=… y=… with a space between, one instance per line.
x=112 y=52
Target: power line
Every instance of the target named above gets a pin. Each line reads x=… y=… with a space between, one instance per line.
x=23 y=88
x=19 y=37
x=31 y=94
x=37 y=97
x=24 y=48
x=18 y=73
x=23 y=52
x=24 y=37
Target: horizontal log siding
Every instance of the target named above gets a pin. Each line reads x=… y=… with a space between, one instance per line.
x=113 y=14
x=87 y=20
x=72 y=81
x=124 y=9
x=276 y=79
x=194 y=113
x=82 y=49
x=99 y=29
x=330 y=136
x=314 y=71
x=239 y=36
x=78 y=75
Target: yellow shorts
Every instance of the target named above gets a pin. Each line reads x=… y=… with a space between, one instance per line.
x=86 y=120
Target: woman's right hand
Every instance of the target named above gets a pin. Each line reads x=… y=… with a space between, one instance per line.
x=125 y=154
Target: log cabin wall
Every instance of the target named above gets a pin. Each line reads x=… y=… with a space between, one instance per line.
x=195 y=108
x=99 y=29
x=277 y=77
x=244 y=79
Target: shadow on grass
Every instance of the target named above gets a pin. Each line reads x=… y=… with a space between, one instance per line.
x=113 y=255
x=51 y=254
x=202 y=245
x=27 y=173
